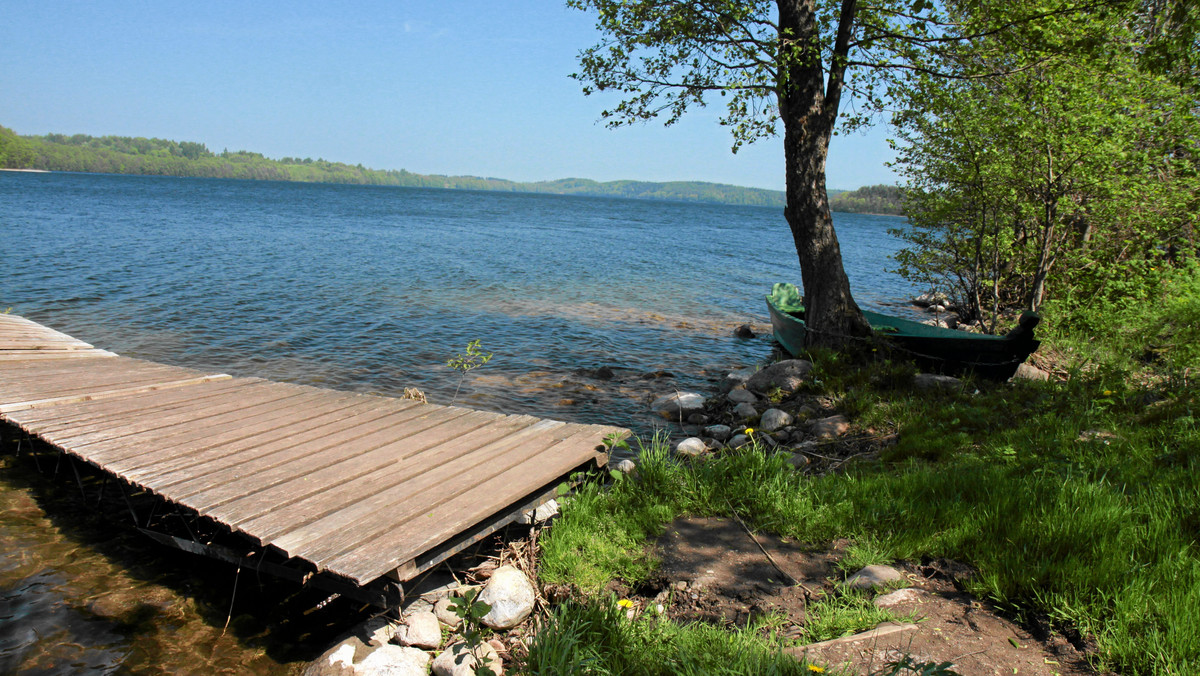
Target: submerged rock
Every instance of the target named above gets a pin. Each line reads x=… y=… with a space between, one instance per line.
x=678 y=405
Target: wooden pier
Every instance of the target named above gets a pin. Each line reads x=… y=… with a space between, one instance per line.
x=356 y=486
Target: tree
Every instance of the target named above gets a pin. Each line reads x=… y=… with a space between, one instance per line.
x=1075 y=178
x=788 y=63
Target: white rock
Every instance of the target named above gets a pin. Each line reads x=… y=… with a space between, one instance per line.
x=458 y=661
x=691 y=447
x=718 y=432
x=376 y=631
x=624 y=466
x=745 y=411
x=511 y=596
x=742 y=396
x=787 y=375
x=899 y=598
x=773 y=419
x=343 y=656
x=874 y=576
x=446 y=616
x=420 y=630
x=541 y=514
x=394 y=660
x=678 y=405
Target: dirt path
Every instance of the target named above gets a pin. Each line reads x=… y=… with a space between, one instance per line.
x=713 y=571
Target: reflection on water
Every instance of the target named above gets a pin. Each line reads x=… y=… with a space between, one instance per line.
x=365 y=289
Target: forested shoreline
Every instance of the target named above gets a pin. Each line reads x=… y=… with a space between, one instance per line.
x=162 y=157
x=871 y=199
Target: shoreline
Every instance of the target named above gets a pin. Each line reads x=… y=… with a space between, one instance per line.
x=27 y=171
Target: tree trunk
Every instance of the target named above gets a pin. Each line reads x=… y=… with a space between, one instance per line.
x=808 y=115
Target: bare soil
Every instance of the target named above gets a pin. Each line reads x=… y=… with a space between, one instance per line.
x=714 y=571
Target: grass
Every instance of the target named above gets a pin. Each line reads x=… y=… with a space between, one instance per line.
x=1077 y=501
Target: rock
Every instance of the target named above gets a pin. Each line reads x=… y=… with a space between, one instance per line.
x=697 y=419
x=1030 y=372
x=740 y=395
x=394 y=660
x=739 y=441
x=874 y=576
x=690 y=430
x=541 y=514
x=718 y=432
x=420 y=630
x=899 y=597
x=691 y=447
x=935 y=381
x=376 y=631
x=744 y=331
x=511 y=597
x=745 y=411
x=624 y=466
x=655 y=375
x=930 y=298
x=787 y=375
x=446 y=616
x=458 y=661
x=833 y=426
x=774 y=419
x=798 y=460
x=338 y=660
x=604 y=373
x=806 y=411
x=678 y=405
x=734 y=378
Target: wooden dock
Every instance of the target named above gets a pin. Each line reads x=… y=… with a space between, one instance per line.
x=354 y=485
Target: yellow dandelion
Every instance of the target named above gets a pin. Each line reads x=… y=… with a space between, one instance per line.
x=815 y=669
x=1108 y=393
x=625 y=603
x=749 y=431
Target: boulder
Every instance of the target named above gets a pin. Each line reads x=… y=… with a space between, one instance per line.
x=718 y=432
x=420 y=630
x=740 y=395
x=1030 y=372
x=744 y=331
x=774 y=419
x=935 y=381
x=446 y=616
x=786 y=375
x=745 y=411
x=458 y=661
x=678 y=405
x=511 y=596
x=691 y=447
x=697 y=419
x=833 y=426
x=930 y=298
x=542 y=513
x=624 y=466
x=874 y=576
x=394 y=660
x=739 y=440
x=338 y=660
x=734 y=378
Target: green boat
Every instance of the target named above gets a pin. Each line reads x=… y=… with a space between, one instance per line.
x=934 y=348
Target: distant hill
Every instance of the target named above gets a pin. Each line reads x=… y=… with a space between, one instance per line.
x=872 y=199
x=160 y=157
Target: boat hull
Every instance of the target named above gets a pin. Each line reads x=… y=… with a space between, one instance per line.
x=933 y=348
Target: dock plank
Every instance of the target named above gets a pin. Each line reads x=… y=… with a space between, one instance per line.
x=357 y=485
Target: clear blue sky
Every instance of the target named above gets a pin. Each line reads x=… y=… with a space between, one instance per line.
x=460 y=87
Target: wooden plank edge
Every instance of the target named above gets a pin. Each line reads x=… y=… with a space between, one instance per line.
x=108 y=394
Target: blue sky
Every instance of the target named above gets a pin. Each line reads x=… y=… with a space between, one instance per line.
x=463 y=87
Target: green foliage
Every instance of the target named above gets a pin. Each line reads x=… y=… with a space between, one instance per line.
x=466 y=362
x=471 y=611
x=594 y=637
x=1073 y=500
x=844 y=613
x=871 y=199
x=160 y=157
x=1073 y=180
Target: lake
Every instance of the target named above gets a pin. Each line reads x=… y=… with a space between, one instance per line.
x=369 y=289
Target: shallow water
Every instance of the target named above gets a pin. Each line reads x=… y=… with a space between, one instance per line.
x=360 y=288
